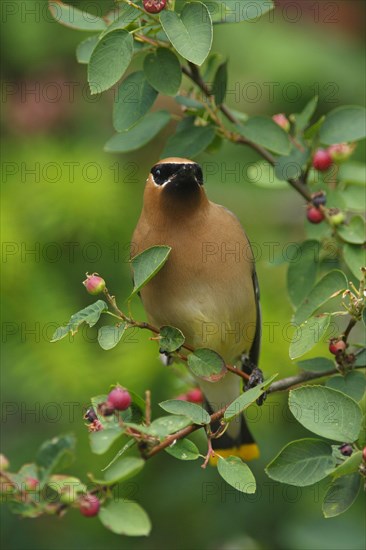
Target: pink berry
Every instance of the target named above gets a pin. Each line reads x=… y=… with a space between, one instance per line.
x=154 y=6
x=346 y=449
x=322 y=160
x=89 y=505
x=31 y=483
x=119 y=399
x=337 y=346
x=195 y=396
x=181 y=397
x=282 y=121
x=94 y=284
x=364 y=454
x=314 y=215
x=341 y=151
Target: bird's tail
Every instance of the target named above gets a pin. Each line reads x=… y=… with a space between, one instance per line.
x=242 y=446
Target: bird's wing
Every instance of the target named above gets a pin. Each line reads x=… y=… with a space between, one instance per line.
x=255 y=349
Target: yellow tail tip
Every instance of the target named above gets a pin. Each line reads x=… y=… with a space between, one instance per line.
x=247 y=451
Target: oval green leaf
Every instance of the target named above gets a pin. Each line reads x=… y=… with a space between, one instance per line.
x=121 y=470
x=326 y=412
x=109 y=60
x=265 y=132
x=302 y=270
x=134 y=98
x=316 y=364
x=247 y=398
x=237 y=474
x=307 y=335
x=101 y=441
x=191 y=32
x=189 y=140
x=353 y=384
x=207 y=364
x=109 y=336
x=162 y=70
x=140 y=134
x=76 y=19
x=349 y=466
x=302 y=462
x=354 y=232
x=183 y=449
x=171 y=339
x=341 y=495
x=331 y=285
x=220 y=83
x=166 y=425
x=355 y=258
x=85 y=49
x=346 y=123
x=147 y=264
x=89 y=315
x=125 y=518
x=197 y=414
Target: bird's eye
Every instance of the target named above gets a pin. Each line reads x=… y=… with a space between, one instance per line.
x=158 y=172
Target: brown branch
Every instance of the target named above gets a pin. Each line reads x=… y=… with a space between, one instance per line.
x=193 y=74
x=349 y=327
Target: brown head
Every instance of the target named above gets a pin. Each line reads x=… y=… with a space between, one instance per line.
x=174 y=188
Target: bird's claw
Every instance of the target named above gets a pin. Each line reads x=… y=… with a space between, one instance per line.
x=256 y=377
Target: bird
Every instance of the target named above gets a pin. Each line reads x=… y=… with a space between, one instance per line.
x=208 y=288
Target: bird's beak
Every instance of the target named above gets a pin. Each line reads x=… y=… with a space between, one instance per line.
x=188 y=175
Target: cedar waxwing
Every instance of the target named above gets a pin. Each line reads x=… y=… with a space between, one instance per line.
x=208 y=287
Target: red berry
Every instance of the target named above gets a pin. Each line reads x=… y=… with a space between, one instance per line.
x=337 y=346
x=364 y=454
x=322 y=160
x=195 y=396
x=31 y=483
x=314 y=215
x=282 y=121
x=182 y=397
x=346 y=449
x=89 y=505
x=94 y=284
x=119 y=399
x=154 y=6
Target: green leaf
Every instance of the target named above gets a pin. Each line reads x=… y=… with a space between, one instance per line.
x=109 y=60
x=72 y=17
x=326 y=412
x=352 y=383
x=140 y=134
x=354 y=231
x=147 y=264
x=341 y=495
x=171 y=339
x=126 y=15
x=125 y=518
x=191 y=32
x=302 y=271
x=134 y=98
x=313 y=130
x=101 y=441
x=349 y=466
x=265 y=132
x=302 y=462
x=121 y=452
x=353 y=173
x=166 y=425
x=189 y=140
x=355 y=258
x=109 y=336
x=247 y=398
x=183 y=449
x=189 y=102
x=346 y=123
x=302 y=119
x=220 y=83
x=197 y=414
x=316 y=364
x=225 y=11
x=290 y=166
x=263 y=174
x=85 y=49
x=56 y=453
x=123 y=469
x=207 y=364
x=237 y=474
x=163 y=71
x=308 y=335
x=361 y=358
x=331 y=285
x=66 y=484
x=89 y=315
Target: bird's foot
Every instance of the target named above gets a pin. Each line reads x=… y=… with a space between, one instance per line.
x=256 y=377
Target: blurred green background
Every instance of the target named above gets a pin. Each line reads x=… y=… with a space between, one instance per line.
x=69 y=208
